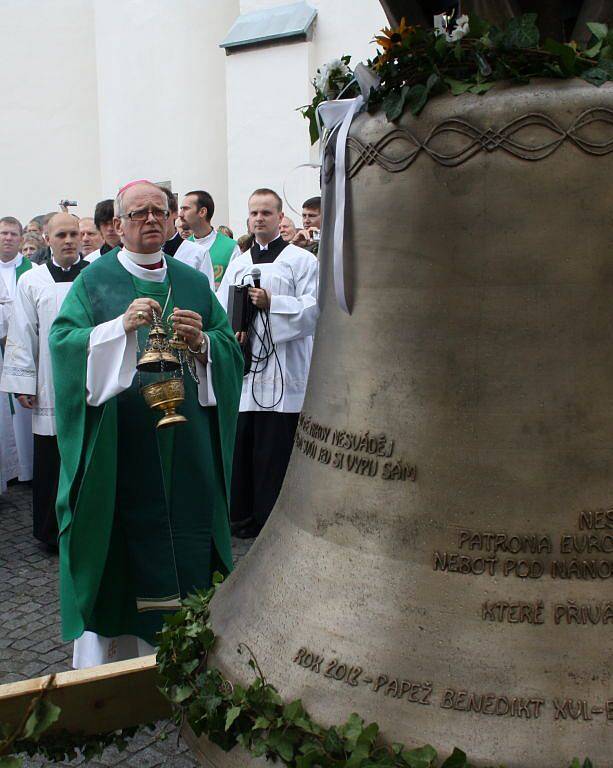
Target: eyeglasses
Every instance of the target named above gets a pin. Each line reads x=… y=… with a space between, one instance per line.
x=142 y=214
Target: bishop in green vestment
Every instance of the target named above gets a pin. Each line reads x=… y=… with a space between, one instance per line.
x=143 y=513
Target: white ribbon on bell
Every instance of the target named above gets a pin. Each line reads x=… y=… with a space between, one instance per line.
x=330 y=115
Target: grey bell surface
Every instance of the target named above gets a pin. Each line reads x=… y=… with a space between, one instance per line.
x=442 y=549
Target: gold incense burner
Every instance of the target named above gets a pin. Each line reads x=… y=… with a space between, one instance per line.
x=163 y=356
x=167 y=396
x=158 y=356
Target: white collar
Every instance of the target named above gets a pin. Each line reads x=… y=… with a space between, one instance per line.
x=265 y=247
x=13 y=263
x=129 y=260
x=64 y=269
x=207 y=238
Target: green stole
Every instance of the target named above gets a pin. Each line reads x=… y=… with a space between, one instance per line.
x=24 y=267
x=220 y=252
x=143 y=513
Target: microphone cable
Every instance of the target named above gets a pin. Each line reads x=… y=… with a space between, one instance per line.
x=267 y=349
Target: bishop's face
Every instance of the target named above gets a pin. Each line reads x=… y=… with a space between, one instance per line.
x=10 y=240
x=142 y=223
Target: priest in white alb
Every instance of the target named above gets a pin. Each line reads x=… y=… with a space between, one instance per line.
x=13 y=265
x=9 y=461
x=27 y=364
x=281 y=342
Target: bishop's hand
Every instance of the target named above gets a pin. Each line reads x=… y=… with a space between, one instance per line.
x=188 y=325
x=140 y=312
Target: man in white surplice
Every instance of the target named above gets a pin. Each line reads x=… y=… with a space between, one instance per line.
x=9 y=461
x=27 y=364
x=274 y=389
x=12 y=266
x=184 y=250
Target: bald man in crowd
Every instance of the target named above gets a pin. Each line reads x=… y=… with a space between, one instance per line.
x=27 y=364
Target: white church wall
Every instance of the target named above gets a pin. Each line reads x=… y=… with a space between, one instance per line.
x=98 y=92
x=49 y=126
x=265 y=133
x=267 y=137
x=162 y=94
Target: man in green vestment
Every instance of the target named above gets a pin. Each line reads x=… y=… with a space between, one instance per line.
x=143 y=513
x=196 y=212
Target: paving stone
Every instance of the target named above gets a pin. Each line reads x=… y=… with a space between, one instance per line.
x=30 y=637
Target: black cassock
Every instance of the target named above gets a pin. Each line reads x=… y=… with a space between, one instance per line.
x=46 y=454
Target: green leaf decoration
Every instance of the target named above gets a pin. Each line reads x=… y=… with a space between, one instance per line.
x=417 y=98
x=522 y=32
x=233 y=714
x=423 y=757
x=457 y=87
x=477 y=27
x=393 y=104
x=10 y=762
x=457 y=759
x=600 y=31
x=599 y=74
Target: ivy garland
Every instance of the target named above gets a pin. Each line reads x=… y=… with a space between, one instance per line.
x=415 y=63
x=256 y=718
x=253 y=717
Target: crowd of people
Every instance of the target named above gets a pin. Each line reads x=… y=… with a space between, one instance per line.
x=142 y=516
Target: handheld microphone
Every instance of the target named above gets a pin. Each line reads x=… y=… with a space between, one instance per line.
x=256 y=274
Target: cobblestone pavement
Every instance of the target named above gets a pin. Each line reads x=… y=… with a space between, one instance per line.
x=30 y=642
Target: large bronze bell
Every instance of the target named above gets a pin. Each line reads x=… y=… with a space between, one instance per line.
x=440 y=559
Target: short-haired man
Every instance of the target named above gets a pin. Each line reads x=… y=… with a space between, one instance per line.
x=143 y=513
x=27 y=369
x=91 y=239
x=287 y=229
x=13 y=265
x=281 y=340
x=308 y=236
x=104 y=219
x=197 y=209
x=182 y=249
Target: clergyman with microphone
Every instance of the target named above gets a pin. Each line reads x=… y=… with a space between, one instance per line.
x=280 y=341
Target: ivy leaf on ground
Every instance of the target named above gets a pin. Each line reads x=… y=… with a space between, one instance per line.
x=233 y=714
x=457 y=759
x=423 y=757
x=42 y=718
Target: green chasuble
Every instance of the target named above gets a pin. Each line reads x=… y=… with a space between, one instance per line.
x=143 y=513
x=220 y=252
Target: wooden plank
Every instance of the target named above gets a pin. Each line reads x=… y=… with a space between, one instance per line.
x=95 y=700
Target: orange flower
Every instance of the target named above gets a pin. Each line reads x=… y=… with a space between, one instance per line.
x=390 y=38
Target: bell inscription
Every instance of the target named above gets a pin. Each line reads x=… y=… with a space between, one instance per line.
x=465 y=600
